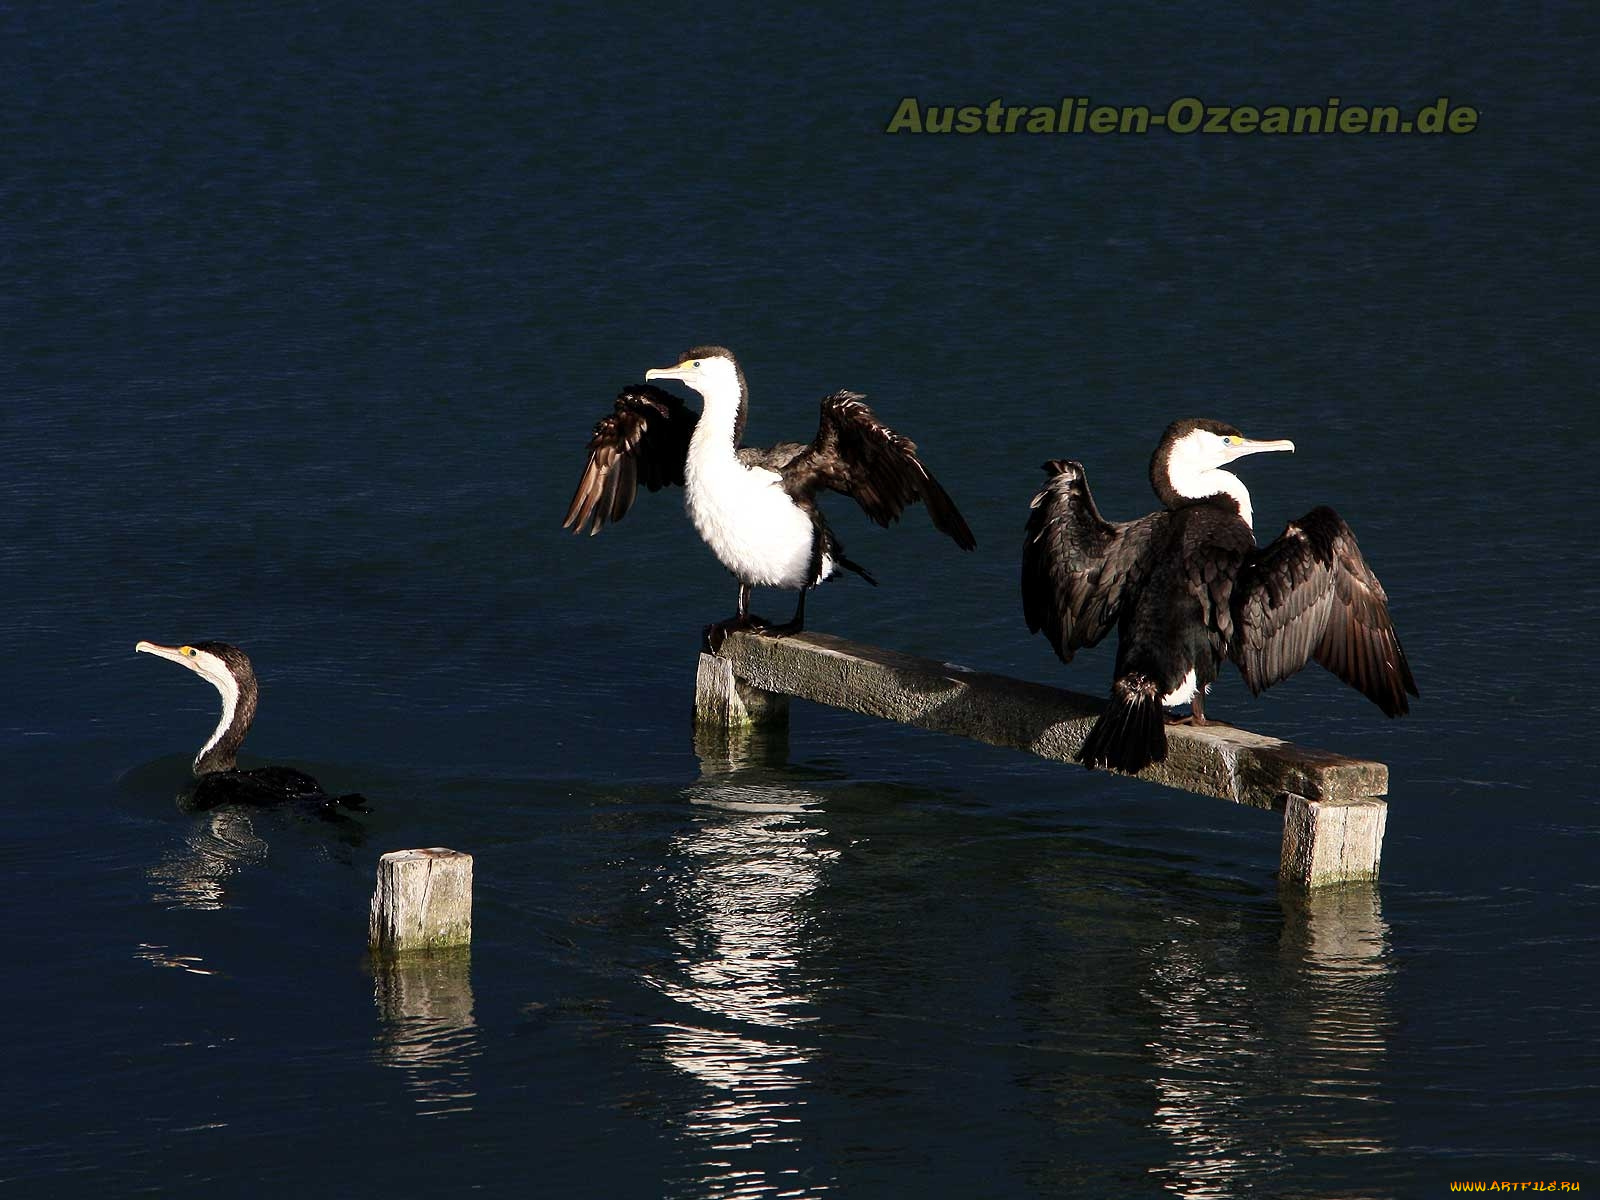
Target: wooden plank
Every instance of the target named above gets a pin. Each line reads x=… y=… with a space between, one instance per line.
x=423 y=901
x=1215 y=760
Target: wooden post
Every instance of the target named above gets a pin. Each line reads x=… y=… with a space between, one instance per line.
x=1331 y=841
x=722 y=699
x=423 y=901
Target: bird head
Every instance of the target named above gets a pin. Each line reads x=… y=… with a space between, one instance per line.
x=710 y=370
x=222 y=665
x=1187 y=465
x=1204 y=445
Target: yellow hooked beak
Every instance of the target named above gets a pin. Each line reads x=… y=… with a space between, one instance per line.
x=1243 y=446
x=177 y=654
x=687 y=369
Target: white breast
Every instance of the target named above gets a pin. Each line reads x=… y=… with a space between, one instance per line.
x=746 y=517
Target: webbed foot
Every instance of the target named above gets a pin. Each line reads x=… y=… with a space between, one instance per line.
x=714 y=635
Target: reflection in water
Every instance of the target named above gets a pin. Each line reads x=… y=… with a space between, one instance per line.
x=748 y=753
x=165 y=956
x=215 y=847
x=1244 y=1080
x=427 y=1029
x=743 y=931
x=221 y=843
x=1339 y=940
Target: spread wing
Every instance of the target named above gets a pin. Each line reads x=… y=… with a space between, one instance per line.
x=858 y=455
x=1310 y=595
x=1079 y=569
x=646 y=440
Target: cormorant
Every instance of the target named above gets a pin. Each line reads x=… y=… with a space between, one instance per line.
x=218 y=780
x=756 y=509
x=1187 y=587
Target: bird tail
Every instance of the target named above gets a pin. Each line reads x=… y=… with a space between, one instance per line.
x=335 y=809
x=1132 y=732
x=834 y=548
x=852 y=565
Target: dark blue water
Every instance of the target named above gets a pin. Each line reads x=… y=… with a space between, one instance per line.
x=306 y=316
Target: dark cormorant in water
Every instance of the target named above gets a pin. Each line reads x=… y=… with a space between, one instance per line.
x=1188 y=587
x=756 y=509
x=217 y=779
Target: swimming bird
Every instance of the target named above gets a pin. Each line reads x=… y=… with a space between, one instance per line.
x=755 y=508
x=218 y=779
x=1187 y=588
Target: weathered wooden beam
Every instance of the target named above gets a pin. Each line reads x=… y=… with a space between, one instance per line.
x=423 y=901
x=747 y=680
x=1217 y=760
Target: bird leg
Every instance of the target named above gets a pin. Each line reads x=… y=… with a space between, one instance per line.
x=715 y=635
x=796 y=623
x=1197 y=710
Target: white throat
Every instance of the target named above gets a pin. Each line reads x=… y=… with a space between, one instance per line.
x=713 y=438
x=228 y=686
x=718 y=385
x=1215 y=482
x=1193 y=474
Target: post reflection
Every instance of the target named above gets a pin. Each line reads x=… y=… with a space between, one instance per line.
x=426 y=1026
x=745 y=876
x=1339 y=941
x=753 y=754
x=1253 y=1067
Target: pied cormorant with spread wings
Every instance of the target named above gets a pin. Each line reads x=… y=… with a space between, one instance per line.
x=218 y=778
x=756 y=509
x=1187 y=587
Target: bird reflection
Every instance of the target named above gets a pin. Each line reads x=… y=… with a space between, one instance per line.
x=215 y=848
x=1245 y=1077
x=742 y=899
x=427 y=1029
x=219 y=844
x=746 y=877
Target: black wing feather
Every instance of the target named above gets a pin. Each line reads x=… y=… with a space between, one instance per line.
x=1310 y=595
x=859 y=456
x=646 y=440
x=1078 y=569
